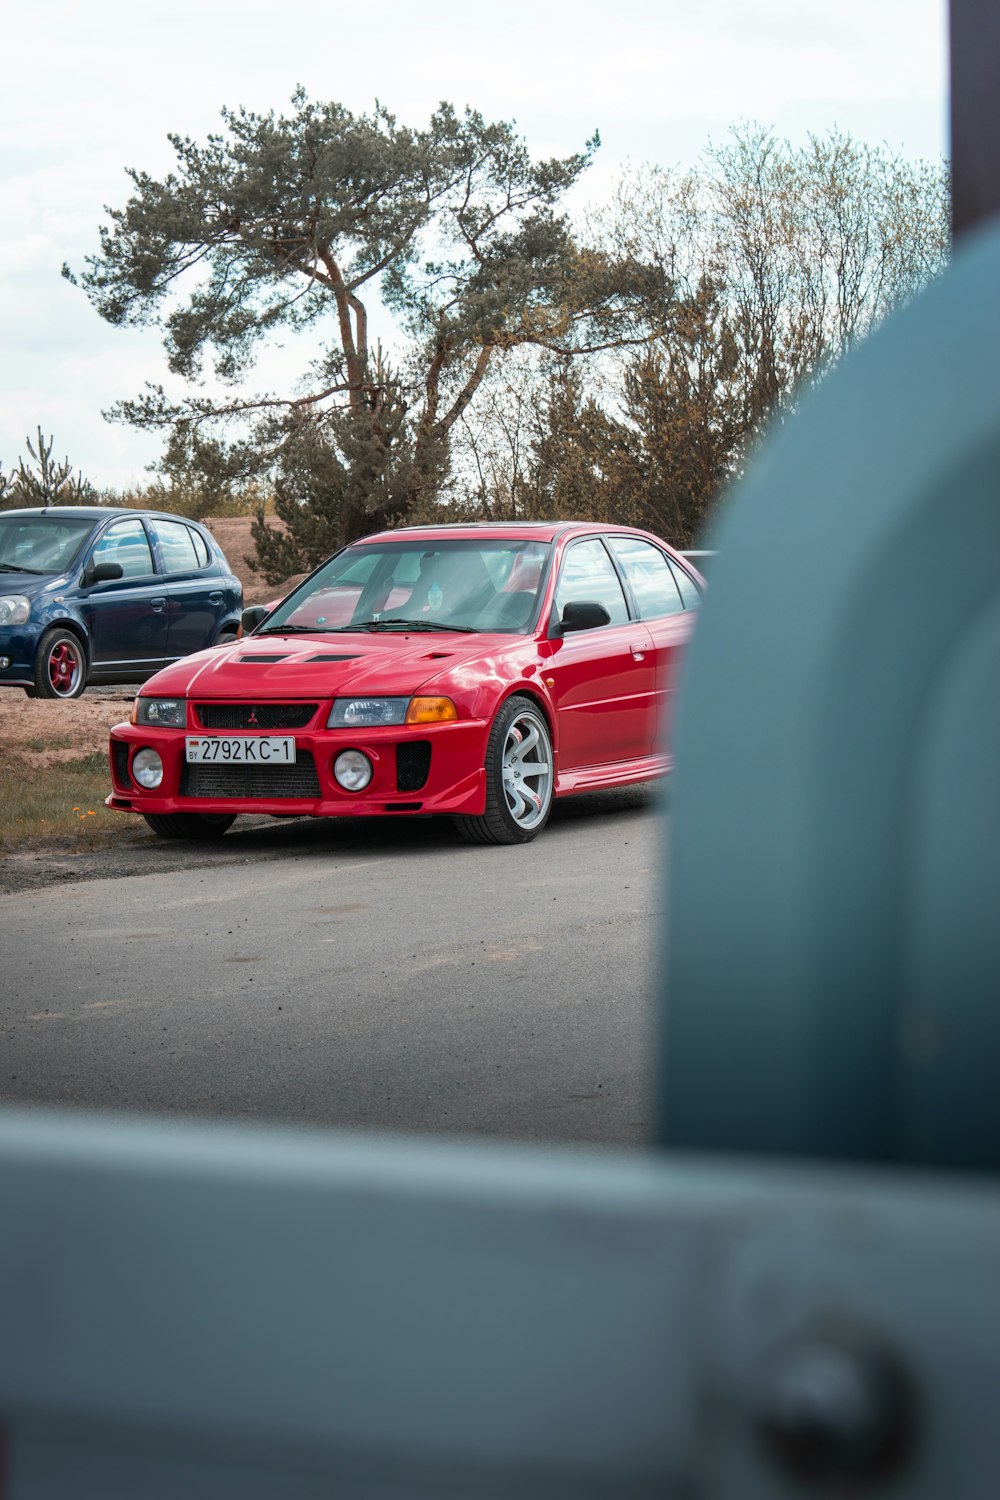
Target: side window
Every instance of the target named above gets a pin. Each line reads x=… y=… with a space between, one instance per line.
x=200 y=547
x=125 y=543
x=690 y=592
x=176 y=547
x=588 y=573
x=650 y=577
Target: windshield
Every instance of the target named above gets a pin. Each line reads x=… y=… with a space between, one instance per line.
x=466 y=583
x=41 y=544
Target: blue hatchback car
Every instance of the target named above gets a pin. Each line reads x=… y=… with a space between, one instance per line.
x=91 y=594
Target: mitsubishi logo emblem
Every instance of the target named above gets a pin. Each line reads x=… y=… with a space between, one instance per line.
x=253 y=720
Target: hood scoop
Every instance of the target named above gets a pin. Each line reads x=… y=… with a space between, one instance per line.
x=344 y=656
x=438 y=655
x=242 y=659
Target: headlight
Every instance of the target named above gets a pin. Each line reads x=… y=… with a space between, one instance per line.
x=14 y=609
x=147 y=768
x=165 y=713
x=363 y=713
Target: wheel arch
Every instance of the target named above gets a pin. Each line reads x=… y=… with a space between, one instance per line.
x=527 y=689
x=66 y=622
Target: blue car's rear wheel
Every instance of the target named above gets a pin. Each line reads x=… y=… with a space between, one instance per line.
x=60 y=665
x=190 y=825
x=520 y=778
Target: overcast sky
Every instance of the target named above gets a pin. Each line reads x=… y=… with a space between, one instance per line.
x=91 y=87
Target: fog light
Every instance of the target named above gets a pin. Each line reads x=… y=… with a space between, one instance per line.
x=352 y=770
x=147 y=768
x=4 y=661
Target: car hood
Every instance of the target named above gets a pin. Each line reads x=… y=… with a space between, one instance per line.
x=322 y=666
x=31 y=584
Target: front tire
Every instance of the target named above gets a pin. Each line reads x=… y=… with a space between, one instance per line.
x=190 y=825
x=60 y=666
x=520 y=778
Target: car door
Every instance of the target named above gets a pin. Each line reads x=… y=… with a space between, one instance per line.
x=602 y=680
x=666 y=609
x=195 y=592
x=126 y=617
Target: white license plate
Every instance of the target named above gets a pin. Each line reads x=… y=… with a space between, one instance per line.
x=262 y=750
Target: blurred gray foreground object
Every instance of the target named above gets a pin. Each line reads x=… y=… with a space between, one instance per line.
x=199 y=1311
x=203 y=1311
x=833 y=964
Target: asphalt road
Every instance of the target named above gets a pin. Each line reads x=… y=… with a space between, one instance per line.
x=377 y=975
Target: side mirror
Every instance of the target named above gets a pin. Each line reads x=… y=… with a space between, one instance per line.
x=103 y=573
x=252 y=617
x=584 y=614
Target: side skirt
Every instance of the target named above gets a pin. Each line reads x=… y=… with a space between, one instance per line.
x=616 y=773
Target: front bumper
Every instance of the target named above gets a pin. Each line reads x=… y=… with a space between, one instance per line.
x=18 y=644
x=426 y=768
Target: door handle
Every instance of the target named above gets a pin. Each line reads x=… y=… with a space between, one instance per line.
x=215 y=598
x=639 y=649
x=158 y=605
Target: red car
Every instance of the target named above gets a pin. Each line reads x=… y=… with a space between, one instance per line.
x=475 y=670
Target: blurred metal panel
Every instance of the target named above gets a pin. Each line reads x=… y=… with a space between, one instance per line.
x=974 y=97
x=214 y=1311
x=833 y=960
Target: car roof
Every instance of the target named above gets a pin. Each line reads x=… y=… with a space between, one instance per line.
x=99 y=512
x=83 y=512
x=542 y=531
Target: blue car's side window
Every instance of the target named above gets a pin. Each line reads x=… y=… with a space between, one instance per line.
x=125 y=543
x=200 y=547
x=176 y=546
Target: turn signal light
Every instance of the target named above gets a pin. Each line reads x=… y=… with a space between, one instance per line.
x=431 y=711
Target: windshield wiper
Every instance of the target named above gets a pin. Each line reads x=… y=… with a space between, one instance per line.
x=20 y=568
x=304 y=630
x=399 y=624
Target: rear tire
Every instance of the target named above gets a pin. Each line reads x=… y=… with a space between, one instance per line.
x=190 y=825
x=520 y=778
x=60 y=665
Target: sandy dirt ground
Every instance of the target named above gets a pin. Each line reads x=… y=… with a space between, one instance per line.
x=39 y=732
x=234 y=537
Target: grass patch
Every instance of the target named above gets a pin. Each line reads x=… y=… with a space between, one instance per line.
x=56 y=802
x=47 y=744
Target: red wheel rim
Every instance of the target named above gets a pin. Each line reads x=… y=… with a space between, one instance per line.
x=64 y=668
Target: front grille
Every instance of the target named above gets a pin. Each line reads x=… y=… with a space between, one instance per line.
x=254 y=715
x=298 y=780
x=413 y=765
